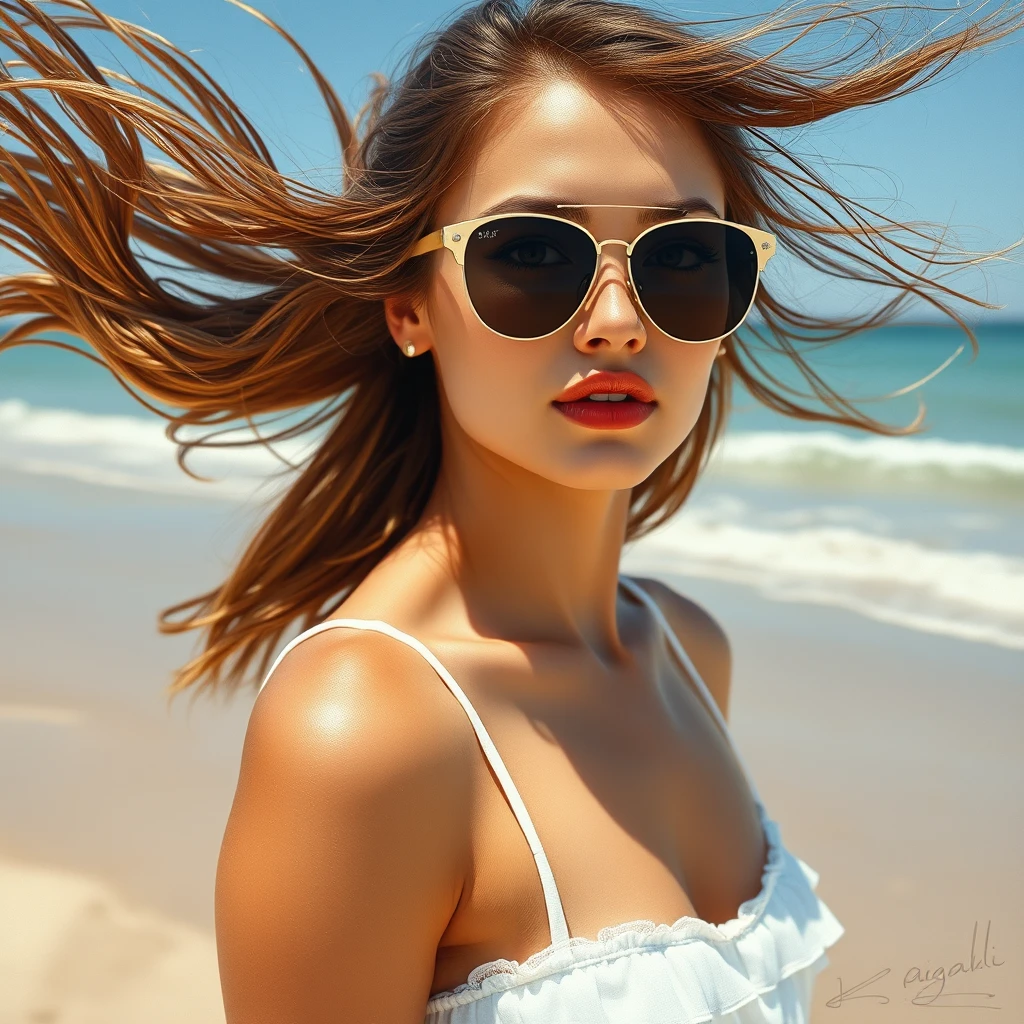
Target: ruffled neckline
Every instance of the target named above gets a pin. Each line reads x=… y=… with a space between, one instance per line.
x=630 y=936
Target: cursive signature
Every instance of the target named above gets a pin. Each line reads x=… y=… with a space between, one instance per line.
x=931 y=982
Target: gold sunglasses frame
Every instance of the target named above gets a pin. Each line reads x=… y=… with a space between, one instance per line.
x=455 y=238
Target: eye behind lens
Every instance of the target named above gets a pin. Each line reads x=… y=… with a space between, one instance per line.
x=697 y=280
x=522 y=253
x=526 y=276
x=682 y=256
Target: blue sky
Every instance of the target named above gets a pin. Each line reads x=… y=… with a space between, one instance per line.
x=951 y=152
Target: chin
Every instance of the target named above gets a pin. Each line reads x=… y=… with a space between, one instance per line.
x=612 y=466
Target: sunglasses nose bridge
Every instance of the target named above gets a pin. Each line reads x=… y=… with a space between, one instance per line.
x=629 y=277
x=629 y=252
x=613 y=241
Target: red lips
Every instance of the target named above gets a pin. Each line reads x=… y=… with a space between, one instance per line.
x=609 y=383
x=610 y=414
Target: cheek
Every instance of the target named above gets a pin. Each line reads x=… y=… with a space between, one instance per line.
x=493 y=386
x=688 y=371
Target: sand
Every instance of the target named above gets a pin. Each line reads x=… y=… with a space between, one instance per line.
x=891 y=760
x=72 y=951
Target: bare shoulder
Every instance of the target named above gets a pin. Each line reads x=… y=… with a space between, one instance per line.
x=701 y=635
x=348 y=840
x=360 y=701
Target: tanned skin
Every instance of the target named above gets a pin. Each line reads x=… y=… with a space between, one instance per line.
x=370 y=858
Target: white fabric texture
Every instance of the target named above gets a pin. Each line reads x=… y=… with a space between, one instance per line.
x=757 y=968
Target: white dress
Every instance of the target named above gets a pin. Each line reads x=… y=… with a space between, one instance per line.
x=757 y=968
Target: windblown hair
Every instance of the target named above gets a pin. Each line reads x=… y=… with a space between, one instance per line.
x=311 y=338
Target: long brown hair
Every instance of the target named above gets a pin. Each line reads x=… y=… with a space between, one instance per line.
x=311 y=336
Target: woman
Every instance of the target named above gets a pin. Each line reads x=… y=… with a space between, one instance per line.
x=519 y=322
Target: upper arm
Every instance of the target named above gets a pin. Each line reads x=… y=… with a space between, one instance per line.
x=344 y=853
x=701 y=636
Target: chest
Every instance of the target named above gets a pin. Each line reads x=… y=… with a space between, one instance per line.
x=639 y=803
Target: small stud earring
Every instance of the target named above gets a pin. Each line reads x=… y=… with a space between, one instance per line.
x=722 y=350
x=410 y=349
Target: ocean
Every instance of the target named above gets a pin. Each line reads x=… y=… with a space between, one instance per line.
x=924 y=532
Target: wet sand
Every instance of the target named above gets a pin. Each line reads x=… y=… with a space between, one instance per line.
x=891 y=760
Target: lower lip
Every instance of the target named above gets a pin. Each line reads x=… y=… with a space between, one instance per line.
x=606 y=415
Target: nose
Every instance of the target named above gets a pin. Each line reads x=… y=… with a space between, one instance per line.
x=611 y=319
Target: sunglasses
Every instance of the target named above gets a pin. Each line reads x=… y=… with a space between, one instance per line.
x=528 y=274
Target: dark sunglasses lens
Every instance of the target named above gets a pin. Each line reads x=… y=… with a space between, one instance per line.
x=526 y=276
x=696 y=281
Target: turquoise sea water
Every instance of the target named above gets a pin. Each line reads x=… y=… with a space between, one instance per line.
x=924 y=531
x=974 y=399
x=977 y=399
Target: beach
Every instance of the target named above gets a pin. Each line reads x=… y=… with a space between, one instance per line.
x=874 y=600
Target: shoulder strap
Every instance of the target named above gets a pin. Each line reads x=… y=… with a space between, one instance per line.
x=556 y=916
x=638 y=592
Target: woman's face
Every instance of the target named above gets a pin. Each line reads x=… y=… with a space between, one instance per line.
x=503 y=394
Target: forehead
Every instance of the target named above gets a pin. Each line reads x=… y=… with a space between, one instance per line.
x=567 y=141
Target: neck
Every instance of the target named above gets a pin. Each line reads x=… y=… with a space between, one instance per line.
x=534 y=560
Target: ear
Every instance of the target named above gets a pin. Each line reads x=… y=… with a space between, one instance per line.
x=408 y=324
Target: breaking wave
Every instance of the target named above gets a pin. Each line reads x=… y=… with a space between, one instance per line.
x=855 y=563
x=888 y=463
x=128 y=451
x=972 y=595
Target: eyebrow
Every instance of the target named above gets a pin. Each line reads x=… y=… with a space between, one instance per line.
x=578 y=211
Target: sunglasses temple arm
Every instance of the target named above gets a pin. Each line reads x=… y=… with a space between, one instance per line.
x=428 y=243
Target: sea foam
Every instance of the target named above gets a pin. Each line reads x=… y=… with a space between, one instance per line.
x=882 y=463
x=131 y=452
x=973 y=595
x=801 y=555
